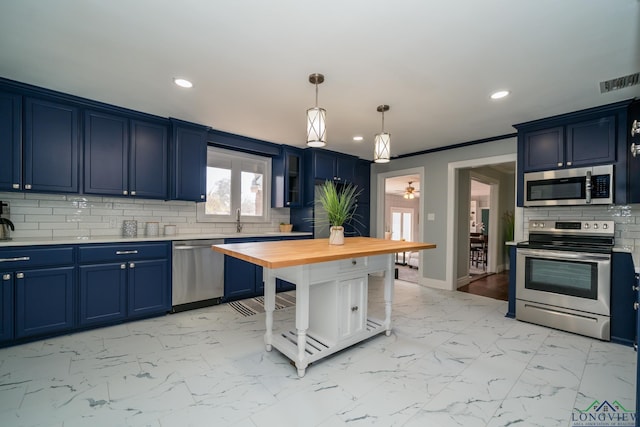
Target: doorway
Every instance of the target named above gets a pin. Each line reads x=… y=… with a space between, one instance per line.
x=401 y=217
x=458 y=206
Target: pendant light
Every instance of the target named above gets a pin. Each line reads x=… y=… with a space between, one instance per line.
x=382 y=146
x=316 y=117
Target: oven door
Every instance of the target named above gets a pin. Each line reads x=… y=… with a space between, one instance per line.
x=575 y=280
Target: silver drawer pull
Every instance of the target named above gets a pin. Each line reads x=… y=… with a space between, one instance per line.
x=6 y=277
x=132 y=265
x=19 y=275
x=20 y=258
x=126 y=252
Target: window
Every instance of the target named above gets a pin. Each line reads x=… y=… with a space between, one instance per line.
x=402 y=224
x=236 y=182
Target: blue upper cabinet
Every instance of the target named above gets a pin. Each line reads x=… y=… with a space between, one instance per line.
x=595 y=136
x=47 y=159
x=10 y=141
x=51 y=147
x=287 y=177
x=328 y=165
x=543 y=149
x=124 y=157
x=188 y=161
x=148 y=165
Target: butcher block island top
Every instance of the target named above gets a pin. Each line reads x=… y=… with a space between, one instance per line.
x=288 y=253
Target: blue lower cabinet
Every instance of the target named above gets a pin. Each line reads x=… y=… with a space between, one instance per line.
x=148 y=288
x=284 y=286
x=44 y=301
x=511 y=305
x=240 y=279
x=123 y=281
x=6 y=306
x=102 y=293
x=623 y=316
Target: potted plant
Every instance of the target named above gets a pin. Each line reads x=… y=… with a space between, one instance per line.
x=339 y=205
x=285 y=228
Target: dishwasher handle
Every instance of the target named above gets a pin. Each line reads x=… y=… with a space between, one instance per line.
x=191 y=247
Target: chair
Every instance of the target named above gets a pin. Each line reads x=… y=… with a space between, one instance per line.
x=478 y=250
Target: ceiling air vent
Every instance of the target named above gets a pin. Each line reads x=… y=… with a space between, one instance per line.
x=619 y=83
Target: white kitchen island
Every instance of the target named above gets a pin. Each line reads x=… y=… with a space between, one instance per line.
x=331 y=291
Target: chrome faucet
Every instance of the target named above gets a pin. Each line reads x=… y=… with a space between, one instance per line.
x=238 y=224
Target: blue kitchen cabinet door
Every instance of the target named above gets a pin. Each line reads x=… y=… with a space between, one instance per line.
x=51 y=147
x=543 y=149
x=287 y=179
x=623 y=315
x=10 y=142
x=239 y=278
x=324 y=165
x=148 y=163
x=363 y=180
x=6 y=306
x=44 y=301
x=346 y=168
x=149 y=291
x=188 y=163
x=106 y=158
x=102 y=293
x=591 y=142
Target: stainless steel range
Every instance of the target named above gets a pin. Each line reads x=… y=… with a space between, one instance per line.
x=563 y=276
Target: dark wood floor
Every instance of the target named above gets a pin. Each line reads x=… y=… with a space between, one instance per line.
x=494 y=286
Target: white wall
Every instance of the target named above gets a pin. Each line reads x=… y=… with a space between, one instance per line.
x=56 y=215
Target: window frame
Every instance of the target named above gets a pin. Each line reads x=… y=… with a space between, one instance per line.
x=237 y=158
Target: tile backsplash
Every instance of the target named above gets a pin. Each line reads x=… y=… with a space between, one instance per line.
x=56 y=215
x=626 y=218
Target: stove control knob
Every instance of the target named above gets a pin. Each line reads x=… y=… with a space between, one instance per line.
x=605 y=226
x=534 y=224
x=595 y=226
x=586 y=225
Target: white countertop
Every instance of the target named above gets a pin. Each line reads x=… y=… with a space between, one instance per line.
x=120 y=239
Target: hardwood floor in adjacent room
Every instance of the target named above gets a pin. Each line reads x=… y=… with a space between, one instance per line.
x=494 y=286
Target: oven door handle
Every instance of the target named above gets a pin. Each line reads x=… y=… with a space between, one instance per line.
x=561 y=255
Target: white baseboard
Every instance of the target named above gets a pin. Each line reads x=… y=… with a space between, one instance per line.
x=462 y=281
x=433 y=283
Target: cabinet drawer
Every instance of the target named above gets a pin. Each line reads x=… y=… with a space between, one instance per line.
x=353 y=264
x=106 y=253
x=28 y=257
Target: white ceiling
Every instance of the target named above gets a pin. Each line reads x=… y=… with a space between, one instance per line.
x=398 y=184
x=434 y=62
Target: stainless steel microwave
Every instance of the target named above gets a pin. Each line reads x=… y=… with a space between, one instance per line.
x=577 y=186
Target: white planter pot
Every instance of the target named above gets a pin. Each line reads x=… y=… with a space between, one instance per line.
x=336 y=237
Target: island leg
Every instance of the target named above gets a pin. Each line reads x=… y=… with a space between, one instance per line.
x=302 y=324
x=388 y=293
x=269 y=305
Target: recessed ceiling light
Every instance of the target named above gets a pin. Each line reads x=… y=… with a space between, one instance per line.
x=182 y=82
x=358 y=138
x=499 y=94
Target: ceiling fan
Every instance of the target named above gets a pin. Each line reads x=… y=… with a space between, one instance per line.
x=410 y=192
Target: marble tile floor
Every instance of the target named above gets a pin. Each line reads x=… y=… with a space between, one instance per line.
x=453 y=360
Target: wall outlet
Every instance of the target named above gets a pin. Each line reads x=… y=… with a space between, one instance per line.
x=112 y=223
x=431 y=217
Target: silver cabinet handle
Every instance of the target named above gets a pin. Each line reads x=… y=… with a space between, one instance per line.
x=126 y=252
x=27 y=186
x=133 y=193
x=559 y=164
x=635 y=305
x=6 y=277
x=123 y=266
x=132 y=265
x=125 y=192
x=191 y=247
x=19 y=275
x=17 y=186
x=20 y=258
x=202 y=197
x=569 y=163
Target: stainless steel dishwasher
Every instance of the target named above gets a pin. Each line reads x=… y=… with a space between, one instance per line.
x=198 y=274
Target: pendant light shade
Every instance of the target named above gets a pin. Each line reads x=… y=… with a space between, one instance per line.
x=316 y=118
x=382 y=141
